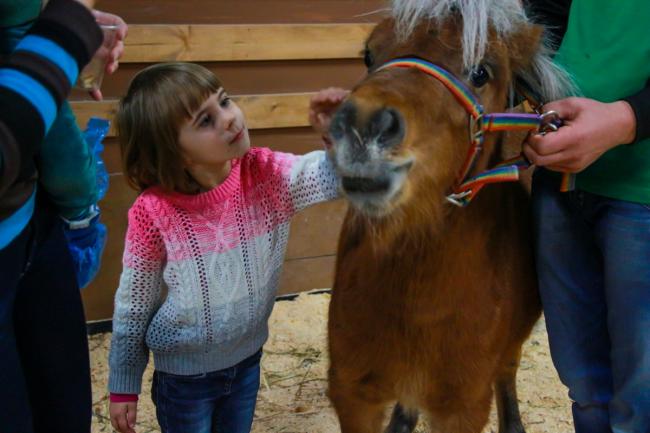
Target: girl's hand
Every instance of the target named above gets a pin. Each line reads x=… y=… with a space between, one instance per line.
x=323 y=105
x=123 y=416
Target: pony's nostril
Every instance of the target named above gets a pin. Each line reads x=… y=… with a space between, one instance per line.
x=344 y=116
x=388 y=126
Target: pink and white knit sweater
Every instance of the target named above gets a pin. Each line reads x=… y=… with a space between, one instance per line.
x=220 y=254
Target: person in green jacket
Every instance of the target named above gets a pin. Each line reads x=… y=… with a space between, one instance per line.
x=593 y=242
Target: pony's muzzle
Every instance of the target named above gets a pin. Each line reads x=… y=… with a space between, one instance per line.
x=365 y=140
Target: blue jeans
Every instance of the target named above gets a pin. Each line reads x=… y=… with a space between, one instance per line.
x=593 y=261
x=222 y=401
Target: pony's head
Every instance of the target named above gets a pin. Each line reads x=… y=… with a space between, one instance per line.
x=402 y=137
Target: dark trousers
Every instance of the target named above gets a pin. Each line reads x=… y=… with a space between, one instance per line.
x=44 y=362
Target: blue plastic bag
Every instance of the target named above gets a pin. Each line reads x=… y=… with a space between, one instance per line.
x=86 y=246
x=96 y=130
x=87 y=237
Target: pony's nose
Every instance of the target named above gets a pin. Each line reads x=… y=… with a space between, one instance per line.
x=384 y=127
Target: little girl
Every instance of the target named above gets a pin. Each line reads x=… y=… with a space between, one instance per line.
x=210 y=225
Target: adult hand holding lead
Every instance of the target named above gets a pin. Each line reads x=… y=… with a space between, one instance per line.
x=590 y=129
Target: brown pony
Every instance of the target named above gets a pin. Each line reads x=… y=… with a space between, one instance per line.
x=432 y=302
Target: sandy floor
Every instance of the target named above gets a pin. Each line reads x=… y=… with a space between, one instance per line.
x=292 y=398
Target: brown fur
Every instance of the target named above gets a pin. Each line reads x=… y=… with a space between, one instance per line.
x=431 y=303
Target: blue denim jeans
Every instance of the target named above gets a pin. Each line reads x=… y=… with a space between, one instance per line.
x=222 y=401
x=593 y=261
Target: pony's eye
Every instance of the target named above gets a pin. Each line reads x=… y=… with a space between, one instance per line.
x=368 y=58
x=480 y=76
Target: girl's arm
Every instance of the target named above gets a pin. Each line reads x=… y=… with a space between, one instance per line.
x=136 y=300
x=312 y=176
x=312 y=180
x=283 y=183
x=290 y=183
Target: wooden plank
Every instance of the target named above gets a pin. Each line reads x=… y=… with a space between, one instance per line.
x=288 y=110
x=315 y=231
x=148 y=43
x=253 y=78
x=243 y=11
x=291 y=140
x=275 y=111
x=307 y=274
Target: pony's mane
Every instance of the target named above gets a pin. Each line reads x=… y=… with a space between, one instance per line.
x=504 y=16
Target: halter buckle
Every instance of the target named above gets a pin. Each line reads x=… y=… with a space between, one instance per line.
x=457 y=198
x=475 y=129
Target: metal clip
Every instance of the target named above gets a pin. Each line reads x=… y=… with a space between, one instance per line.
x=550 y=122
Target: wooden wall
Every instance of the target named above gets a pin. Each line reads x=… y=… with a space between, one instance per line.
x=272 y=74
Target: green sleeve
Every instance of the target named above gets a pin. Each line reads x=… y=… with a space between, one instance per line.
x=66 y=166
x=15 y=12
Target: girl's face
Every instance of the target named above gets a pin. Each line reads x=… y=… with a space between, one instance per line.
x=215 y=134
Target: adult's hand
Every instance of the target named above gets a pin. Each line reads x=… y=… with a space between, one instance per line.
x=112 y=51
x=590 y=129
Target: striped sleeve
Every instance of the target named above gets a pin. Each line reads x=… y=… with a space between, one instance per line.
x=36 y=78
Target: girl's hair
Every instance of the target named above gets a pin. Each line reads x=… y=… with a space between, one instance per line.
x=159 y=100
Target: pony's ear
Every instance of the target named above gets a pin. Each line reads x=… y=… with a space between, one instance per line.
x=532 y=63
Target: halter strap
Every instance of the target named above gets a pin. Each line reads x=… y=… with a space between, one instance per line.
x=462 y=94
x=467 y=187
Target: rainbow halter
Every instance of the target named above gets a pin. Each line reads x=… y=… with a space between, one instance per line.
x=467 y=186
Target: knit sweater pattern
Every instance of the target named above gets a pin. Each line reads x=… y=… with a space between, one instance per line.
x=201 y=272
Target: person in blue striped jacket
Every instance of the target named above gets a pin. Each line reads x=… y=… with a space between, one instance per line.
x=44 y=365
x=66 y=161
